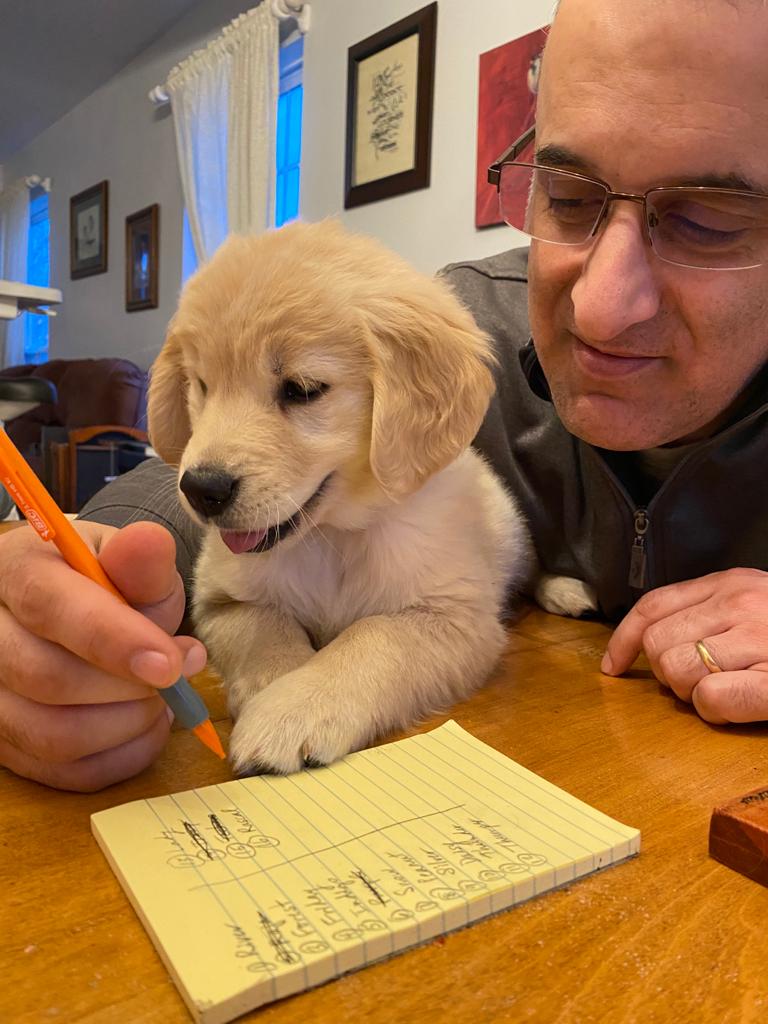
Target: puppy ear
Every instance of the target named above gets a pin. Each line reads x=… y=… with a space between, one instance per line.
x=167 y=415
x=431 y=384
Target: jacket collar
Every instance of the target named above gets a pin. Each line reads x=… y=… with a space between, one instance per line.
x=533 y=372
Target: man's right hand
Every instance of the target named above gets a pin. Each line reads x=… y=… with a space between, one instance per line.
x=78 y=669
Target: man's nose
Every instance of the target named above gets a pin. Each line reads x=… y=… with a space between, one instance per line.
x=617 y=287
x=208 y=490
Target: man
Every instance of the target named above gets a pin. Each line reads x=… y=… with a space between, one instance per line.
x=637 y=443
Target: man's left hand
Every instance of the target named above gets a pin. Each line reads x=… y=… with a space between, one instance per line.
x=729 y=612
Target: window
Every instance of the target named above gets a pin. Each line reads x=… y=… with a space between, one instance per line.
x=188 y=254
x=288 y=149
x=38 y=272
x=289 y=132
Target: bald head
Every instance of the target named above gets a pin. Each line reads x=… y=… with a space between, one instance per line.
x=668 y=56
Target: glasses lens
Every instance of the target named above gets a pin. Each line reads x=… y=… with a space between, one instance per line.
x=551 y=205
x=711 y=229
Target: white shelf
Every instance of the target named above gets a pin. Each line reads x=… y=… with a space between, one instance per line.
x=16 y=297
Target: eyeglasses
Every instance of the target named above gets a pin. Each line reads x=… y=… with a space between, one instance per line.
x=700 y=227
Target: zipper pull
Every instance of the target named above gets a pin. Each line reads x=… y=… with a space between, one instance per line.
x=637 y=559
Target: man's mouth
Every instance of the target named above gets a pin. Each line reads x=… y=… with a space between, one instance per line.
x=597 y=363
x=257 y=541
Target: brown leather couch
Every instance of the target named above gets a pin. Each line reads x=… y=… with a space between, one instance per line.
x=89 y=392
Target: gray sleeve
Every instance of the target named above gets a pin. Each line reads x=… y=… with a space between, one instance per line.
x=148 y=493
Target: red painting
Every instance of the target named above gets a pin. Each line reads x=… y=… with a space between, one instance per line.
x=506 y=107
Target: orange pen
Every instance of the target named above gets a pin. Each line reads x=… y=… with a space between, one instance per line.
x=42 y=512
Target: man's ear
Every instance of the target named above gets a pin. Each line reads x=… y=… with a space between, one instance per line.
x=167 y=415
x=431 y=384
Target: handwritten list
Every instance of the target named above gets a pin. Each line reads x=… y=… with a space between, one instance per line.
x=263 y=887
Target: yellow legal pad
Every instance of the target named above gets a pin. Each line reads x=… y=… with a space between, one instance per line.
x=263 y=887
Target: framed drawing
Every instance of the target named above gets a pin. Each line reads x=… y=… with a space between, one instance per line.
x=390 y=83
x=89 y=231
x=506 y=107
x=141 y=254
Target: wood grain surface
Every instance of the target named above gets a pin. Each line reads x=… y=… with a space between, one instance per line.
x=671 y=936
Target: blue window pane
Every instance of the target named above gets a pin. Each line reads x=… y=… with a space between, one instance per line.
x=283 y=111
x=291 y=209
x=38 y=273
x=294 y=121
x=280 y=199
x=288 y=142
x=188 y=254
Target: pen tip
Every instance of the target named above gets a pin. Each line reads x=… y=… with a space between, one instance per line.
x=207 y=735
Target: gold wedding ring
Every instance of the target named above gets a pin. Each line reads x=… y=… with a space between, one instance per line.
x=706 y=656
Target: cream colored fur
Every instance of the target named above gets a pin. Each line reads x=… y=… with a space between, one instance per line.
x=385 y=604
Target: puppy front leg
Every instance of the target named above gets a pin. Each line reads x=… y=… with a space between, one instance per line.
x=250 y=646
x=379 y=674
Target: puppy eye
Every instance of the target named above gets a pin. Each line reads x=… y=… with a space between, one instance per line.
x=294 y=391
x=203 y=386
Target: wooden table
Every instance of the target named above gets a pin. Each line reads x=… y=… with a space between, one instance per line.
x=670 y=936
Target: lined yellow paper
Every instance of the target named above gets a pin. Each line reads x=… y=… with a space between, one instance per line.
x=262 y=887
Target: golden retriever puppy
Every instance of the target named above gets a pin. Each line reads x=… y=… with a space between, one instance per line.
x=319 y=396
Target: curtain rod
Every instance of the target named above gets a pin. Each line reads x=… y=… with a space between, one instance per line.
x=283 y=10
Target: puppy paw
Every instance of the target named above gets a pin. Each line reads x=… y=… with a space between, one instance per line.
x=293 y=724
x=563 y=595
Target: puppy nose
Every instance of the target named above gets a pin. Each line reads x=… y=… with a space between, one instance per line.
x=209 y=491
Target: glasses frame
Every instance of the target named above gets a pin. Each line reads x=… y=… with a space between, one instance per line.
x=508 y=157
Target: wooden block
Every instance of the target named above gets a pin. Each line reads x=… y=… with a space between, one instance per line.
x=738 y=835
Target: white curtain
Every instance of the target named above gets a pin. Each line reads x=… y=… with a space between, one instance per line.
x=14 y=241
x=224 y=103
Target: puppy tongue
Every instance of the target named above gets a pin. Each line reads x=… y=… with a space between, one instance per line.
x=239 y=541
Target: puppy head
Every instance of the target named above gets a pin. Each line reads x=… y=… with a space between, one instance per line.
x=306 y=371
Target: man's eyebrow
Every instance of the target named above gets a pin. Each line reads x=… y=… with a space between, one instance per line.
x=729 y=181
x=559 y=156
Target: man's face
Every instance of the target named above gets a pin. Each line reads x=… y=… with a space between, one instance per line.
x=639 y=352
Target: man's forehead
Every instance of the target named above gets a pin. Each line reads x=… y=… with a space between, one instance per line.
x=699 y=7
x=676 y=36
x=683 y=82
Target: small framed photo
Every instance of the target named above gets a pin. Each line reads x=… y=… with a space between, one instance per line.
x=141 y=251
x=89 y=231
x=390 y=84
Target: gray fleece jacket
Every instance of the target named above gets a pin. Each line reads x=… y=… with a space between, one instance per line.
x=711 y=513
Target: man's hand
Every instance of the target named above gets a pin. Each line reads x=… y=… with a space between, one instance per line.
x=78 y=669
x=729 y=612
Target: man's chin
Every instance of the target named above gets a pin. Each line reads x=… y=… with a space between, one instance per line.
x=606 y=423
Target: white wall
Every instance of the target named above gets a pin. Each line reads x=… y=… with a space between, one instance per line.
x=430 y=227
x=117 y=135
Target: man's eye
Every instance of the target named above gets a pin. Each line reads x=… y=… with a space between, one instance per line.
x=295 y=391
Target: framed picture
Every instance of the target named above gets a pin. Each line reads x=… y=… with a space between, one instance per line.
x=390 y=82
x=89 y=231
x=509 y=81
x=141 y=249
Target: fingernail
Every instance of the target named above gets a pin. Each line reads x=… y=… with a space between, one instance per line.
x=151 y=667
x=194 y=661
x=171 y=716
x=606 y=665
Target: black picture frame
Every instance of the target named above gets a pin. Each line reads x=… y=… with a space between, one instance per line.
x=142 y=243
x=390 y=90
x=89 y=231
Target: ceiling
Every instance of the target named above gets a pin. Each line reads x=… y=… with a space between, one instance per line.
x=54 y=53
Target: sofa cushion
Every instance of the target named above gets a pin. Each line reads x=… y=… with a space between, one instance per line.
x=89 y=392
